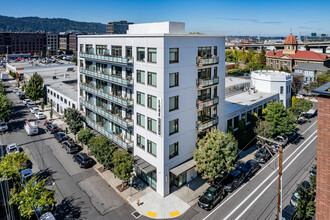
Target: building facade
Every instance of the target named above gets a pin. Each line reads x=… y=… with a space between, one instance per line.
x=117 y=27
x=154 y=91
x=309 y=71
x=52 y=43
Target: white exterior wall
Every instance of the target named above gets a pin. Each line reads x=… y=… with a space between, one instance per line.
x=70 y=103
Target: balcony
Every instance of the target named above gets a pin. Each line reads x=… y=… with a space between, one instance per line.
x=108 y=58
x=202 y=104
x=201 y=83
x=126 y=123
x=200 y=61
x=127 y=103
x=207 y=124
x=126 y=144
x=111 y=78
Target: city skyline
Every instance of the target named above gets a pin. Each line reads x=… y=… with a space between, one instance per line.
x=236 y=17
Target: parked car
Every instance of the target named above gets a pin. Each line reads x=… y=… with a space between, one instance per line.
x=12 y=149
x=288 y=213
x=83 y=160
x=70 y=147
x=27 y=164
x=233 y=180
x=262 y=155
x=25 y=101
x=26 y=176
x=250 y=168
x=61 y=136
x=15 y=90
x=212 y=196
x=39 y=115
x=292 y=137
x=18 y=93
x=3 y=126
x=313 y=171
x=282 y=140
x=47 y=216
x=29 y=103
x=34 y=110
x=52 y=128
x=295 y=195
x=22 y=96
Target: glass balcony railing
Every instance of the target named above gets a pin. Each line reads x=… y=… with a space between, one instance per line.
x=201 y=104
x=125 y=123
x=207 y=82
x=111 y=78
x=127 y=103
x=200 y=61
x=108 y=58
x=126 y=144
x=207 y=124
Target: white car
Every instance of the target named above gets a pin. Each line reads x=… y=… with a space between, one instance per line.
x=34 y=110
x=15 y=90
x=39 y=115
x=12 y=149
x=3 y=126
x=25 y=101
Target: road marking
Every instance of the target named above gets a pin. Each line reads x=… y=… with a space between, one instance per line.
x=261 y=171
x=152 y=214
x=276 y=178
x=173 y=214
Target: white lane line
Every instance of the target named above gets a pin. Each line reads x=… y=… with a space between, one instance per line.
x=224 y=202
x=276 y=178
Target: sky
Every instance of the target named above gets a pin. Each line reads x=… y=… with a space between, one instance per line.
x=229 y=17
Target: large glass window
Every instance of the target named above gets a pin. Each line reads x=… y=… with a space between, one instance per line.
x=152 y=55
x=100 y=49
x=215 y=50
x=140 y=99
x=204 y=73
x=281 y=90
x=81 y=48
x=152 y=125
x=140 y=76
x=174 y=126
x=174 y=150
x=116 y=51
x=129 y=52
x=140 y=119
x=152 y=148
x=204 y=52
x=174 y=103
x=89 y=48
x=152 y=79
x=140 y=56
x=140 y=141
x=152 y=102
x=174 y=55
x=174 y=79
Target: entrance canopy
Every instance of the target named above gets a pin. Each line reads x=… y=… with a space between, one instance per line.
x=143 y=165
x=183 y=167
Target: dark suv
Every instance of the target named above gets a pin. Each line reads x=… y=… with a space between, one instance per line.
x=233 y=180
x=70 y=147
x=250 y=167
x=60 y=137
x=52 y=128
x=83 y=160
x=211 y=197
x=262 y=155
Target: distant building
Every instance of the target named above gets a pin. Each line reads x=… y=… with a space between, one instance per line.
x=68 y=42
x=309 y=71
x=52 y=43
x=63 y=41
x=291 y=57
x=229 y=66
x=118 y=27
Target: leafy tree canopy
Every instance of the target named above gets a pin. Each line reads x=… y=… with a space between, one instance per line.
x=35 y=88
x=11 y=164
x=84 y=136
x=102 y=149
x=305 y=208
x=2 y=88
x=74 y=119
x=123 y=165
x=6 y=106
x=263 y=128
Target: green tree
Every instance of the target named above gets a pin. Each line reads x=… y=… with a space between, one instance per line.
x=297 y=83
x=51 y=109
x=280 y=120
x=102 y=149
x=263 y=128
x=241 y=125
x=123 y=165
x=305 y=208
x=2 y=88
x=261 y=57
x=74 y=60
x=299 y=107
x=84 y=136
x=31 y=197
x=323 y=78
x=217 y=153
x=11 y=164
x=74 y=119
x=42 y=105
x=35 y=88
x=6 y=106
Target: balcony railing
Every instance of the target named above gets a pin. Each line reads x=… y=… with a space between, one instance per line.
x=207 y=82
x=116 y=99
x=201 y=104
x=207 y=124
x=200 y=61
x=126 y=144
x=126 y=123
x=111 y=78
x=108 y=58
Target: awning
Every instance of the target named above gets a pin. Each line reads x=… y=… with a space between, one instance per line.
x=183 y=167
x=143 y=165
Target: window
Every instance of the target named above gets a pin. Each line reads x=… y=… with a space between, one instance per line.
x=140 y=54
x=152 y=148
x=140 y=76
x=152 y=79
x=140 y=119
x=100 y=49
x=204 y=52
x=215 y=50
x=281 y=90
x=174 y=103
x=129 y=52
x=152 y=125
x=140 y=98
x=152 y=102
x=61 y=99
x=174 y=150
x=116 y=51
x=174 y=55
x=73 y=105
x=174 y=79
x=140 y=141
x=174 y=126
x=65 y=101
x=152 y=55
x=81 y=48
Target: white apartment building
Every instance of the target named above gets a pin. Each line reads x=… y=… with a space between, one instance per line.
x=153 y=91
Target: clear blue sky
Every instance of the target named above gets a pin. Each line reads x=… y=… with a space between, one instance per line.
x=230 y=17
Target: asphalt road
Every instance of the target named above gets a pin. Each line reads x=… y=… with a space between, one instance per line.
x=80 y=193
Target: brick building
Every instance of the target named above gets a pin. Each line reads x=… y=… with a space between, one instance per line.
x=323 y=154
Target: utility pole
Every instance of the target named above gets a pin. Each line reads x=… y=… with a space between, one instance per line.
x=280 y=150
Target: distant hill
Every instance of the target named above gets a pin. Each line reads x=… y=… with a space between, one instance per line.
x=54 y=25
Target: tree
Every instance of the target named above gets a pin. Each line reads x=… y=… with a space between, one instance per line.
x=263 y=128
x=84 y=136
x=301 y=106
x=217 y=153
x=51 y=109
x=74 y=119
x=261 y=58
x=323 y=78
x=42 y=105
x=281 y=122
x=31 y=197
x=102 y=149
x=35 y=88
x=305 y=208
x=11 y=164
x=6 y=106
x=297 y=83
x=241 y=125
x=2 y=88
x=123 y=165
x=74 y=60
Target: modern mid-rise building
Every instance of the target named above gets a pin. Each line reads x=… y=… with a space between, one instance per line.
x=52 y=43
x=153 y=92
x=117 y=27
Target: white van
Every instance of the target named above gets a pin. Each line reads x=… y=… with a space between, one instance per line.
x=31 y=127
